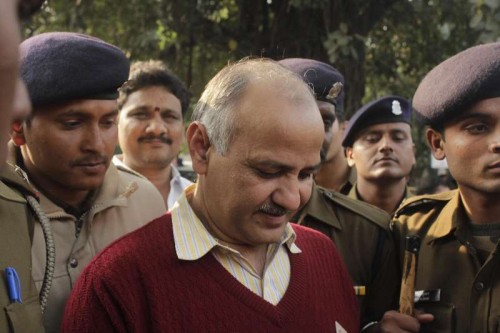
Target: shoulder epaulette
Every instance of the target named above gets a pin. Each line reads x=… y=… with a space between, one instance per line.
x=368 y=211
x=421 y=202
x=129 y=171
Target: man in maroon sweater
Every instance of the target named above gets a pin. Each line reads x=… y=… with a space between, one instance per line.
x=225 y=259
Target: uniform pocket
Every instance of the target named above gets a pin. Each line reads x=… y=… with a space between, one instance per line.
x=444 y=317
x=25 y=317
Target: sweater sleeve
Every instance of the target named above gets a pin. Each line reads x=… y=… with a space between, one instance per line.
x=92 y=306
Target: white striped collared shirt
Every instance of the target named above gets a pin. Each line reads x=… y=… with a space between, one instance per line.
x=193 y=241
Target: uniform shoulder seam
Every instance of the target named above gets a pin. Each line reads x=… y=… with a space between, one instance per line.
x=364 y=209
x=424 y=200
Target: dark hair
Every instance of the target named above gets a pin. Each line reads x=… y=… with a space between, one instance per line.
x=153 y=73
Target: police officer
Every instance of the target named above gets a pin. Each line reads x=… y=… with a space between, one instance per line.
x=378 y=142
x=359 y=231
x=458 y=265
x=22 y=312
x=327 y=83
x=65 y=147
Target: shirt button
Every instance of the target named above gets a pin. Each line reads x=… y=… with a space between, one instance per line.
x=73 y=262
x=479 y=286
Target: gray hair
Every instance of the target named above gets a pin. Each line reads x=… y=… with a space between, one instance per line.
x=215 y=109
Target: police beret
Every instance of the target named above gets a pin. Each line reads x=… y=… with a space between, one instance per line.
x=390 y=109
x=326 y=82
x=459 y=82
x=63 y=66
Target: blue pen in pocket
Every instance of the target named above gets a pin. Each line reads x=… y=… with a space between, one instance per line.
x=13 y=285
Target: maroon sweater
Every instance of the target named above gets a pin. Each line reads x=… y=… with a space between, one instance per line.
x=139 y=285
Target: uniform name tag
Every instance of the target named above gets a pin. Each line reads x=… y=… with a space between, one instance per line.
x=433 y=295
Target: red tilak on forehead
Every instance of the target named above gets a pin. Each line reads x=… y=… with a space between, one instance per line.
x=156 y=109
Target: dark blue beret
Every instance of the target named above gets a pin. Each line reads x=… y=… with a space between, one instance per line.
x=390 y=109
x=64 y=66
x=326 y=82
x=457 y=83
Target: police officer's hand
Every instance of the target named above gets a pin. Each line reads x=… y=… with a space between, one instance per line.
x=393 y=321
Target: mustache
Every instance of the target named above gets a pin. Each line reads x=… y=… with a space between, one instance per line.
x=273 y=209
x=161 y=138
x=91 y=159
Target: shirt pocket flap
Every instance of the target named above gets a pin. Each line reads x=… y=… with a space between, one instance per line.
x=25 y=317
x=444 y=317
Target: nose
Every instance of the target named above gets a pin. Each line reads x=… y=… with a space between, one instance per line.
x=290 y=194
x=385 y=144
x=93 y=140
x=156 y=125
x=494 y=145
x=22 y=104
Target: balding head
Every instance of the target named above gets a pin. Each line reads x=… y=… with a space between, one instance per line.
x=218 y=104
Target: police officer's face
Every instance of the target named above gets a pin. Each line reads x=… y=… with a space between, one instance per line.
x=332 y=140
x=383 y=152
x=252 y=191
x=150 y=128
x=14 y=102
x=471 y=146
x=68 y=147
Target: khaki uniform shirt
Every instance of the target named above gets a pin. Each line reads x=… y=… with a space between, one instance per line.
x=469 y=290
x=351 y=180
x=124 y=202
x=353 y=193
x=361 y=235
x=16 y=226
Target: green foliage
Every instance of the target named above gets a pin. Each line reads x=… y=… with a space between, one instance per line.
x=381 y=46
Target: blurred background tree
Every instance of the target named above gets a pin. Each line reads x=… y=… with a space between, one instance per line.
x=381 y=46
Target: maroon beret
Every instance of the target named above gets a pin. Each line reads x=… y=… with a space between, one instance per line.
x=326 y=81
x=459 y=82
x=65 y=66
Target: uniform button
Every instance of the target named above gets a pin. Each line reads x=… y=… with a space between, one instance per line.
x=479 y=286
x=73 y=262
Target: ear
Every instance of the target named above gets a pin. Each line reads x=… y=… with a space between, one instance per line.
x=198 y=144
x=349 y=156
x=17 y=133
x=436 y=143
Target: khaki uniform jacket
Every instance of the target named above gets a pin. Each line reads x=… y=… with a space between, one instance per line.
x=16 y=228
x=361 y=234
x=124 y=203
x=470 y=292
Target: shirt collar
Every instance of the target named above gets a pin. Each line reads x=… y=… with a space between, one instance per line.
x=192 y=240
x=448 y=219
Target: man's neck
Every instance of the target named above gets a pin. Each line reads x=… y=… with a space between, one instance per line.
x=255 y=254
x=333 y=174
x=160 y=177
x=482 y=208
x=386 y=195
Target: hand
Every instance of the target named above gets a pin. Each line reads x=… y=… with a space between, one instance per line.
x=393 y=322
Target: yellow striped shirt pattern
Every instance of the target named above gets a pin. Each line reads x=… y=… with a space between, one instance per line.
x=193 y=241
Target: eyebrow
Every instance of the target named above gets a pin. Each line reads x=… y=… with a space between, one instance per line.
x=472 y=116
x=80 y=113
x=144 y=107
x=278 y=165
